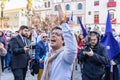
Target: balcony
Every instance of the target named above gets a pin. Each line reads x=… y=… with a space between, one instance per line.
x=96 y=21
x=111 y=4
x=113 y=21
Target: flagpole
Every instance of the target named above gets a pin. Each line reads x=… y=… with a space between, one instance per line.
x=84 y=32
x=111 y=72
x=30 y=12
x=2 y=7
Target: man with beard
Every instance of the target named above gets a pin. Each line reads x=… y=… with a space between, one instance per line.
x=20 y=56
x=94 y=58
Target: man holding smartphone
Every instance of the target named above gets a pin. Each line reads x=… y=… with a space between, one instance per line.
x=19 y=55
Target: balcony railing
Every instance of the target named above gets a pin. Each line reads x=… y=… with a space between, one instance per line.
x=111 y=4
x=113 y=21
x=96 y=21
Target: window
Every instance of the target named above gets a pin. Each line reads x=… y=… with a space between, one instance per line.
x=112 y=15
x=89 y=13
x=96 y=17
x=113 y=19
x=96 y=3
x=67 y=7
x=78 y=20
x=73 y=0
x=79 y=6
x=45 y=4
x=111 y=0
x=49 y=4
x=55 y=8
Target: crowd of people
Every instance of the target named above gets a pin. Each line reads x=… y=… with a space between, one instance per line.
x=56 y=52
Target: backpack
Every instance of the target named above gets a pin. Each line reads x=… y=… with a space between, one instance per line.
x=34 y=67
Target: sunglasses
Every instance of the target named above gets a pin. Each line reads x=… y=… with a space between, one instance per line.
x=44 y=36
x=55 y=33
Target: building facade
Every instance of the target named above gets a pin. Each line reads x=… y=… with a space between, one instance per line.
x=12 y=19
x=93 y=13
x=76 y=8
x=96 y=13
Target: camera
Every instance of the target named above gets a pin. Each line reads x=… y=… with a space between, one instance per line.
x=86 y=47
x=31 y=46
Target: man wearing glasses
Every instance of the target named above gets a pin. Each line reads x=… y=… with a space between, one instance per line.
x=40 y=53
x=59 y=61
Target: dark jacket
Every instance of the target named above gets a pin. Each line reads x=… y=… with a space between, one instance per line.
x=94 y=66
x=34 y=67
x=117 y=59
x=19 y=58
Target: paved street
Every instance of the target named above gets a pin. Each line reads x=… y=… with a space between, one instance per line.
x=7 y=75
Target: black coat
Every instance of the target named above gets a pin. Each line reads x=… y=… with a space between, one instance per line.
x=34 y=67
x=19 y=58
x=94 y=66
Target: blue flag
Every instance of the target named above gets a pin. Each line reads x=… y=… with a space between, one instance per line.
x=84 y=32
x=71 y=19
x=109 y=41
x=72 y=16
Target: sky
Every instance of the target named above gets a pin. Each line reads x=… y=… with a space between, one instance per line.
x=15 y=4
x=11 y=4
x=57 y=0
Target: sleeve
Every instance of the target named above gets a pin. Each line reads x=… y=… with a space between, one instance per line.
x=117 y=59
x=15 y=47
x=101 y=58
x=81 y=56
x=70 y=50
x=37 y=52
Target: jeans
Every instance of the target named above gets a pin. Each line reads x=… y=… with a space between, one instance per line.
x=7 y=59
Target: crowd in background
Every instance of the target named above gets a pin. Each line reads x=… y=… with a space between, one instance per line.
x=35 y=36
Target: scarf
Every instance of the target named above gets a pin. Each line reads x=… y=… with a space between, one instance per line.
x=48 y=62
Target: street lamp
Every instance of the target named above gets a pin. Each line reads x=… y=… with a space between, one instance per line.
x=29 y=12
x=2 y=13
x=2 y=7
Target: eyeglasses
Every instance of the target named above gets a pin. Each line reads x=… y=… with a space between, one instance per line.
x=55 y=33
x=44 y=36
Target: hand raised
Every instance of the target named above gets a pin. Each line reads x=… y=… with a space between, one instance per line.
x=61 y=14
